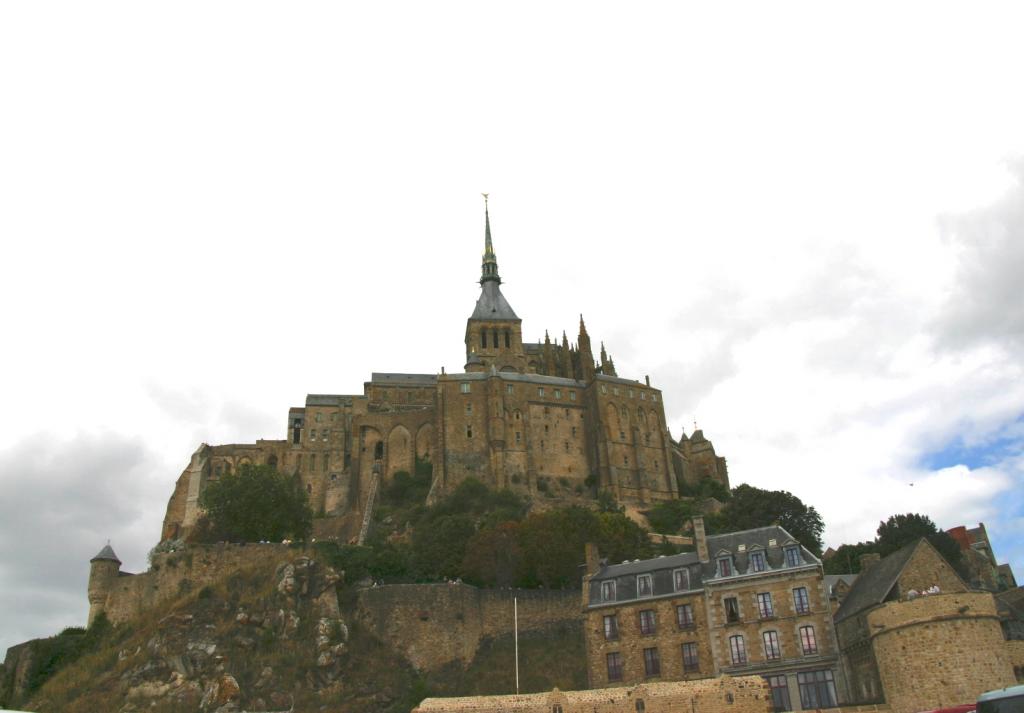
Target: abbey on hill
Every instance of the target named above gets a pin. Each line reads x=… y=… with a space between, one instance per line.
x=536 y=418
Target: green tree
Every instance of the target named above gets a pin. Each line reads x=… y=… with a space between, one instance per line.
x=493 y=556
x=900 y=530
x=751 y=507
x=670 y=516
x=255 y=503
x=846 y=559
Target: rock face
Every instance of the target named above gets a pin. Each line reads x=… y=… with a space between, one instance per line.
x=204 y=659
x=14 y=673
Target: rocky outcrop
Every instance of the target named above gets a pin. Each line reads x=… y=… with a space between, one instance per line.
x=202 y=658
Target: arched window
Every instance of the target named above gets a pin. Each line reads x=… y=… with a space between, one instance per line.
x=508 y=340
x=494 y=338
x=483 y=338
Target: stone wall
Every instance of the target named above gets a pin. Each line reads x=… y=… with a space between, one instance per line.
x=747 y=694
x=15 y=671
x=175 y=574
x=1015 y=652
x=940 y=650
x=435 y=624
x=925 y=568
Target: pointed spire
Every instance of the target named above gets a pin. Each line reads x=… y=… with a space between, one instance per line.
x=567 y=370
x=489 y=269
x=586 y=356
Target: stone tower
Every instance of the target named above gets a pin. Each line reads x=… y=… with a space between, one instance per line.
x=103 y=571
x=494 y=334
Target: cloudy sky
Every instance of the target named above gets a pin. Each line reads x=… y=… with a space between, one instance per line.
x=804 y=221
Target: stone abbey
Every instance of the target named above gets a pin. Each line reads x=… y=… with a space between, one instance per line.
x=546 y=420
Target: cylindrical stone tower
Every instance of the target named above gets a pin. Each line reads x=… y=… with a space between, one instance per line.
x=103 y=571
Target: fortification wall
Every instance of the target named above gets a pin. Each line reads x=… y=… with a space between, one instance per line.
x=940 y=650
x=174 y=574
x=743 y=694
x=435 y=624
x=1015 y=652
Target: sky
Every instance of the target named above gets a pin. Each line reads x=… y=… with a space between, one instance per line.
x=804 y=221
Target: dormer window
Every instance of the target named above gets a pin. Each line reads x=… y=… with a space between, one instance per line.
x=724 y=566
x=608 y=591
x=644 y=585
x=681 y=580
x=757 y=563
x=793 y=556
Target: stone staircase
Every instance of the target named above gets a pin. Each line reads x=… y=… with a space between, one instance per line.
x=371 y=497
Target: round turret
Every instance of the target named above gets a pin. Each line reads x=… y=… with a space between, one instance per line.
x=103 y=571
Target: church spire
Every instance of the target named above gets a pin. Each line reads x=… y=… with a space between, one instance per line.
x=489 y=269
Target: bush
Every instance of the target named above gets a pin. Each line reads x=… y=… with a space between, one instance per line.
x=669 y=517
x=405 y=489
x=254 y=503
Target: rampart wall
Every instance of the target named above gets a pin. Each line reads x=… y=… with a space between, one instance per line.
x=939 y=650
x=435 y=624
x=743 y=694
x=174 y=574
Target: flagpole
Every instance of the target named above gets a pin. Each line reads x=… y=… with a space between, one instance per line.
x=515 y=609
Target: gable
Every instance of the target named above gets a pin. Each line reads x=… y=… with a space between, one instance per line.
x=926 y=568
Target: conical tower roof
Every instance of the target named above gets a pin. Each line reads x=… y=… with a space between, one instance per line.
x=107 y=553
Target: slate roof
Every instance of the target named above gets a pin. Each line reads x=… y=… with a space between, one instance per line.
x=831 y=580
x=873 y=586
x=107 y=553
x=411 y=379
x=770 y=540
x=492 y=304
x=327 y=400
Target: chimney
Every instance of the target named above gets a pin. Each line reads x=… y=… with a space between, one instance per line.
x=593 y=559
x=867 y=561
x=700 y=539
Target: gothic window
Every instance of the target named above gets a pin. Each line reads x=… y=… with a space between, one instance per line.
x=378 y=450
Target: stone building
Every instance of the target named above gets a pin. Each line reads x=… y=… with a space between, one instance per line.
x=745 y=603
x=980 y=560
x=532 y=417
x=912 y=632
